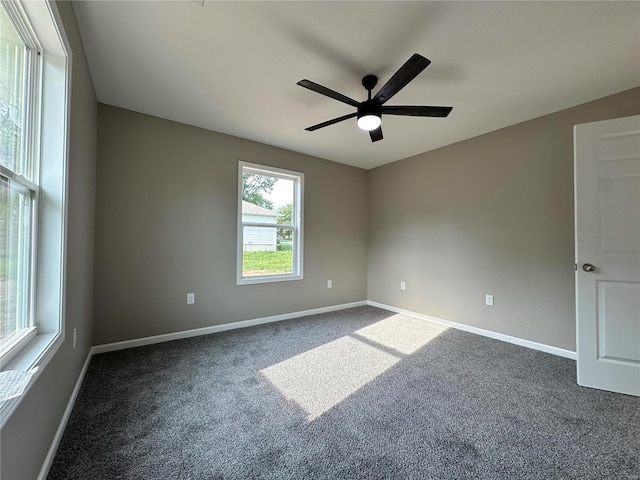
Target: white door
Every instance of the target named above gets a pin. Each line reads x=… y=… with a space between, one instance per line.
x=607 y=203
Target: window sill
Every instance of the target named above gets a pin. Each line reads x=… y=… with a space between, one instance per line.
x=267 y=279
x=36 y=355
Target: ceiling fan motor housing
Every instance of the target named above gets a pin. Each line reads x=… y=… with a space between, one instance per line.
x=369 y=107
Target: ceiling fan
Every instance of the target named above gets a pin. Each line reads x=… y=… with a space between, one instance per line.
x=369 y=112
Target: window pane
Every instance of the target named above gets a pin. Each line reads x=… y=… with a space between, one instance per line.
x=267 y=250
x=15 y=251
x=256 y=189
x=264 y=253
x=270 y=221
x=13 y=54
x=282 y=197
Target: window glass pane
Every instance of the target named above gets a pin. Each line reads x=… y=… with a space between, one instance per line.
x=256 y=189
x=282 y=198
x=263 y=253
x=15 y=252
x=270 y=222
x=267 y=199
x=13 y=54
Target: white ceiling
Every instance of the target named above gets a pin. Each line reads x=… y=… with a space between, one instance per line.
x=232 y=67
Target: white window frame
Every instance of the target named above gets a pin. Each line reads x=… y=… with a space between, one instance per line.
x=31 y=142
x=49 y=151
x=297 y=226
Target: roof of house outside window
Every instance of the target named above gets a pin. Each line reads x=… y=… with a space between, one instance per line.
x=256 y=209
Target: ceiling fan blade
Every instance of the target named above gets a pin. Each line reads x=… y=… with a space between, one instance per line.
x=331 y=122
x=328 y=92
x=417 y=111
x=406 y=73
x=376 y=134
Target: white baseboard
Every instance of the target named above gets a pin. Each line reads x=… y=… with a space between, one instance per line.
x=110 y=347
x=48 y=460
x=481 y=331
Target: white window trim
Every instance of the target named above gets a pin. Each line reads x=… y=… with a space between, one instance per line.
x=298 y=253
x=51 y=227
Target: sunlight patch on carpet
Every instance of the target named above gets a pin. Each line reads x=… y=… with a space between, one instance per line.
x=402 y=333
x=321 y=378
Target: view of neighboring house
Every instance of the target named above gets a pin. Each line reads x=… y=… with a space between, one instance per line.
x=258 y=239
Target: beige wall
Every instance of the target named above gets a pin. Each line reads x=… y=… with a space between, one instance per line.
x=489 y=215
x=28 y=434
x=166 y=225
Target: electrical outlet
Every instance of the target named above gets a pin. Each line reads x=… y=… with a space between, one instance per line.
x=488 y=300
x=329 y=283
x=191 y=298
x=75 y=336
x=403 y=286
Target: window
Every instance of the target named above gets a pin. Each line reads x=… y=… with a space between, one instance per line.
x=35 y=66
x=18 y=182
x=270 y=210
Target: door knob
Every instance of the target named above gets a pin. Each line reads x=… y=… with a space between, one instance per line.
x=587 y=267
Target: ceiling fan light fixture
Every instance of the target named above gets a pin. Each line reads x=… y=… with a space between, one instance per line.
x=369 y=121
x=370 y=111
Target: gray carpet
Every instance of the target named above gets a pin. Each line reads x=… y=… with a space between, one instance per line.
x=361 y=393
